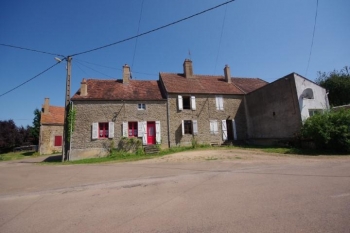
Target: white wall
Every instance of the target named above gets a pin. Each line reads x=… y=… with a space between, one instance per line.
x=320 y=100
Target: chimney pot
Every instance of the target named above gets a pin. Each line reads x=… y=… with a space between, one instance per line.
x=83 y=88
x=126 y=74
x=227 y=73
x=188 y=69
x=46 y=105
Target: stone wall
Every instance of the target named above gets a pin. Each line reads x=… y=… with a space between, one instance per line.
x=88 y=112
x=273 y=110
x=47 y=139
x=205 y=111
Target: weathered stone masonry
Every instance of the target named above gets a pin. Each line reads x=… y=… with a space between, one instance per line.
x=88 y=112
x=205 y=111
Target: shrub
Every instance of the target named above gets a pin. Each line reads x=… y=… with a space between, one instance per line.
x=129 y=144
x=330 y=130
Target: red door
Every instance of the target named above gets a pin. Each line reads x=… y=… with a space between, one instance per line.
x=151 y=133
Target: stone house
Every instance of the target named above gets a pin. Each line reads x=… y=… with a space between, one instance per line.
x=275 y=112
x=204 y=108
x=51 y=128
x=108 y=110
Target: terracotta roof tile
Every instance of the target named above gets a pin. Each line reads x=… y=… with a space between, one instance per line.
x=249 y=84
x=55 y=116
x=207 y=84
x=116 y=90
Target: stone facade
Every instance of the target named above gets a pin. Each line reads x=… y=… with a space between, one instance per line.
x=89 y=112
x=51 y=126
x=47 y=139
x=205 y=112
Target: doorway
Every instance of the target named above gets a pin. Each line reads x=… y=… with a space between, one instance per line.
x=229 y=130
x=151 y=133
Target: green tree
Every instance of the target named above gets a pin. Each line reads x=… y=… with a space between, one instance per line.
x=8 y=135
x=338 y=85
x=35 y=130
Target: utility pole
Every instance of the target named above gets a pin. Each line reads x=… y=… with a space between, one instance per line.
x=66 y=106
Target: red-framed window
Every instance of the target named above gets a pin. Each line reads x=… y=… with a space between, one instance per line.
x=132 y=129
x=58 y=140
x=103 y=130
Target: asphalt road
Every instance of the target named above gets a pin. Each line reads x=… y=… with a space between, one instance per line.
x=284 y=195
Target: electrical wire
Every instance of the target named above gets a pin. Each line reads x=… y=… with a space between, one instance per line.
x=138 y=30
x=312 y=41
x=30 y=79
x=87 y=75
x=153 y=30
x=222 y=30
x=94 y=70
x=32 y=50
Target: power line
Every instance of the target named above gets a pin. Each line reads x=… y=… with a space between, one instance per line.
x=82 y=70
x=138 y=29
x=222 y=30
x=312 y=41
x=32 y=50
x=94 y=70
x=30 y=79
x=153 y=30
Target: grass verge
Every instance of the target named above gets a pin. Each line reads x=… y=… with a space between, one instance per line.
x=17 y=155
x=118 y=156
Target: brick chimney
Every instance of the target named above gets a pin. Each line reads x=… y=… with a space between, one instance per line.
x=46 y=106
x=188 y=70
x=227 y=73
x=126 y=74
x=83 y=88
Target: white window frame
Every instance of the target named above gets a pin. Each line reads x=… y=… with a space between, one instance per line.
x=141 y=106
x=194 y=125
x=219 y=100
x=180 y=102
x=95 y=130
x=214 y=127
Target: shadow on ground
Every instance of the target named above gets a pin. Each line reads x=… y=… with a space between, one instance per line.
x=53 y=158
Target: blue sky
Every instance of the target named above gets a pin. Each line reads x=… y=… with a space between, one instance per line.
x=266 y=39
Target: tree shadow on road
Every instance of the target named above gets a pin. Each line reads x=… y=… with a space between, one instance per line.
x=53 y=159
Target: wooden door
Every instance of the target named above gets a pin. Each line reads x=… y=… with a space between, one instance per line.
x=151 y=133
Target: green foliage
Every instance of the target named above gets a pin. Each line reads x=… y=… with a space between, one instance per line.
x=35 y=129
x=330 y=130
x=194 y=142
x=18 y=155
x=130 y=144
x=70 y=122
x=338 y=85
x=12 y=136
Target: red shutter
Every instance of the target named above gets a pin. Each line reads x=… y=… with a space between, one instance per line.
x=58 y=140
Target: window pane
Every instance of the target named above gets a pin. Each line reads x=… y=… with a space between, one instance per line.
x=186 y=102
x=188 y=127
